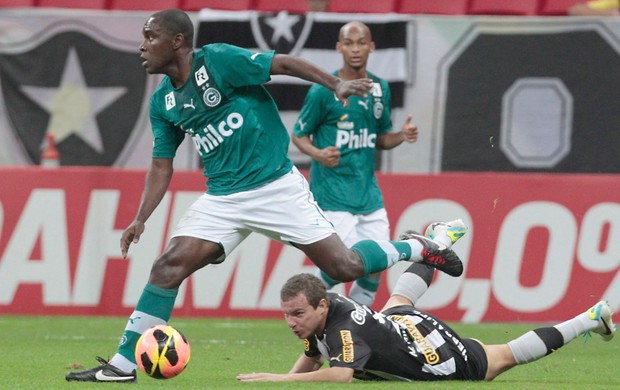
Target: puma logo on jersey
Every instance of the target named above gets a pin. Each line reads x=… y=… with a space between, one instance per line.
x=335 y=358
x=253 y=56
x=189 y=105
x=363 y=103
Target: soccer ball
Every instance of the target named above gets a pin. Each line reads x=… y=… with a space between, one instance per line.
x=162 y=352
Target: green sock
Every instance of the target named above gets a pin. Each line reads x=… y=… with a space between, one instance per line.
x=327 y=281
x=379 y=255
x=154 y=308
x=370 y=283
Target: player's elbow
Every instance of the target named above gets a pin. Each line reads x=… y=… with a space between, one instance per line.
x=282 y=64
x=341 y=374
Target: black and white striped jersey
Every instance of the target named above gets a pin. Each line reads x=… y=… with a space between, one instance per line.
x=400 y=344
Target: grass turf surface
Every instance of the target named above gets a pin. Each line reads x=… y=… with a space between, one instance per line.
x=37 y=352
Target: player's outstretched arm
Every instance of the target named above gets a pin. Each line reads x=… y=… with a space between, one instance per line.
x=332 y=374
x=298 y=67
x=307 y=364
x=155 y=186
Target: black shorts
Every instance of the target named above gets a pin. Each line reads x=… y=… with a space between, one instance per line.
x=477 y=359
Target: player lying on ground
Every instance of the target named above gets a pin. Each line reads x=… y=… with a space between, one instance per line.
x=403 y=343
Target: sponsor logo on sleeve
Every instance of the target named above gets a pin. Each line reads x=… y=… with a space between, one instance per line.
x=348 y=351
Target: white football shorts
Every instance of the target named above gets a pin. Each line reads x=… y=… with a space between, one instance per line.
x=355 y=227
x=284 y=210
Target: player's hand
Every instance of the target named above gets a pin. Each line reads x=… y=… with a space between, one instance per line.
x=410 y=131
x=131 y=235
x=260 y=377
x=330 y=156
x=359 y=87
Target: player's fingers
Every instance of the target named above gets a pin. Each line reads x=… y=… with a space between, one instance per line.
x=124 y=248
x=369 y=83
x=409 y=118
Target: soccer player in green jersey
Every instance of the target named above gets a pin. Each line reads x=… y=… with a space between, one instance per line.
x=342 y=142
x=215 y=96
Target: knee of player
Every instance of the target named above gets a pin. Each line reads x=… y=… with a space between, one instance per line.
x=167 y=272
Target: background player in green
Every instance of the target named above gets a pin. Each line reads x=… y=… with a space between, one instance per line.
x=216 y=96
x=342 y=142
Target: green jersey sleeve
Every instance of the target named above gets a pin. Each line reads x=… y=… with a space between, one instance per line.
x=240 y=67
x=312 y=113
x=166 y=137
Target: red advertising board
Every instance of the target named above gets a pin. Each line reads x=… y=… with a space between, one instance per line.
x=540 y=246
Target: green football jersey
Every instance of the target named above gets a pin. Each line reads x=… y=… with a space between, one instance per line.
x=229 y=116
x=351 y=185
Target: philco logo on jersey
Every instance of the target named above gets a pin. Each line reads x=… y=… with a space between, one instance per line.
x=348 y=352
x=201 y=76
x=344 y=124
x=352 y=140
x=427 y=349
x=213 y=136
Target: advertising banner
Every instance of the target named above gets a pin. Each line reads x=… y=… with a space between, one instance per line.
x=538 y=245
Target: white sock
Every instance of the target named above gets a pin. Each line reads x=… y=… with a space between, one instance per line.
x=416 y=250
x=410 y=286
x=361 y=295
x=119 y=361
x=572 y=328
x=540 y=342
x=443 y=239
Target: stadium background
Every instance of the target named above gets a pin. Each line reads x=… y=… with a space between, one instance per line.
x=517 y=110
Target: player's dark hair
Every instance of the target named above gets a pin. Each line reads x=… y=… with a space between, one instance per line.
x=175 y=21
x=308 y=284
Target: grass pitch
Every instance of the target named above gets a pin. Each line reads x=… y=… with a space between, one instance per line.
x=36 y=353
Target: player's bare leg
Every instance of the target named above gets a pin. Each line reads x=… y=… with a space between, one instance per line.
x=182 y=257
